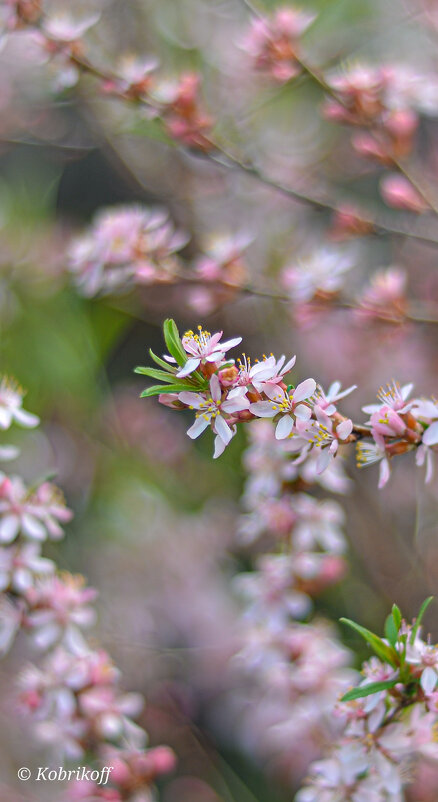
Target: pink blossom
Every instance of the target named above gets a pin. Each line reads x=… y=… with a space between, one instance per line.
x=399 y=193
x=287 y=405
x=272 y=43
x=204 y=347
x=211 y=408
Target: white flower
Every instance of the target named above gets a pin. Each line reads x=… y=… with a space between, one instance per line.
x=393 y=396
x=11 y=399
x=204 y=347
x=211 y=409
x=285 y=404
x=368 y=453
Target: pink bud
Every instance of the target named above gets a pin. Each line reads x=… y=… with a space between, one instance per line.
x=399 y=193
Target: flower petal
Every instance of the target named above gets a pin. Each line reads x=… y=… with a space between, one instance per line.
x=304 y=390
x=284 y=427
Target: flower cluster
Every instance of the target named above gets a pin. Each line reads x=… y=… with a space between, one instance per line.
x=125 y=245
x=223 y=394
x=73 y=696
x=390 y=718
x=273 y=43
x=293 y=671
x=383 y=103
x=399 y=425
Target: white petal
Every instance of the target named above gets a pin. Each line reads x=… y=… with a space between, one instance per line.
x=304 y=390
x=26 y=418
x=323 y=460
x=284 y=427
x=428 y=680
x=33 y=528
x=263 y=409
x=188 y=368
x=430 y=436
x=303 y=412
x=222 y=429
x=9 y=528
x=230 y=343
x=198 y=427
x=5 y=418
x=344 y=429
x=215 y=388
x=384 y=473
x=191 y=399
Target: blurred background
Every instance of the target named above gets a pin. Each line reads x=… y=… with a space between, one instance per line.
x=155 y=518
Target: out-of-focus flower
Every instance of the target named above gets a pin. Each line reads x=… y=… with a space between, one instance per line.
x=399 y=193
x=348 y=223
x=11 y=406
x=223 y=260
x=180 y=108
x=125 y=245
x=35 y=514
x=273 y=42
x=59 y=605
x=321 y=274
x=385 y=297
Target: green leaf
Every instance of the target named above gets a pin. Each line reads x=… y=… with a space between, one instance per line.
x=391 y=631
x=385 y=652
x=173 y=341
x=157 y=389
x=416 y=627
x=397 y=616
x=161 y=362
x=153 y=373
x=367 y=690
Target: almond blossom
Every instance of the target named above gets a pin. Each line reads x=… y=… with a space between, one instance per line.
x=287 y=405
x=211 y=408
x=204 y=347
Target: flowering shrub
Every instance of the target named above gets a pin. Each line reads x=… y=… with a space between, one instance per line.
x=72 y=696
x=265 y=174
x=197 y=376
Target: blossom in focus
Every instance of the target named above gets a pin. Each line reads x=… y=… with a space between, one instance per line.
x=211 y=408
x=287 y=405
x=272 y=43
x=204 y=347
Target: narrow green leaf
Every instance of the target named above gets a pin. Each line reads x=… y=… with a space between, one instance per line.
x=161 y=362
x=397 y=616
x=173 y=341
x=391 y=631
x=423 y=609
x=153 y=373
x=367 y=690
x=156 y=389
x=385 y=652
